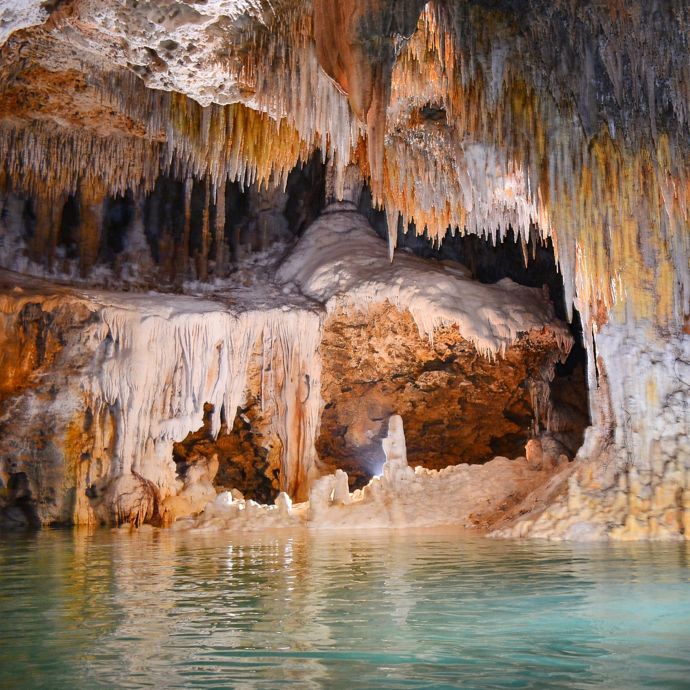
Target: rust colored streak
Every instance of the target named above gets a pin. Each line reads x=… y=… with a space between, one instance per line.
x=355 y=47
x=91 y=198
x=341 y=52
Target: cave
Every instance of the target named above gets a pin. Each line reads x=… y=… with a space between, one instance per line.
x=342 y=343
x=376 y=365
x=415 y=217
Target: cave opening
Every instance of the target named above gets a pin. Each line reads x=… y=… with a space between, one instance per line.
x=17 y=505
x=240 y=458
x=457 y=406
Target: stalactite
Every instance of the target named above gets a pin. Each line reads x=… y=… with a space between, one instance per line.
x=489 y=124
x=513 y=152
x=41 y=159
x=355 y=46
x=224 y=142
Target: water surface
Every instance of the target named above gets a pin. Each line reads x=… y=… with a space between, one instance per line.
x=385 y=610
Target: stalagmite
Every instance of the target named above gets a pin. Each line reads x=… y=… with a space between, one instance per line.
x=396 y=469
x=138 y=252
x=461 y=496
x=341 y=261
x=12 y=227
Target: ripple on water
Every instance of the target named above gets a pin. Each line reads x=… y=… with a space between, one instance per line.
x=390 y=610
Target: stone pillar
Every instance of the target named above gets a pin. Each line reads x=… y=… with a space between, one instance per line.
x=202 y=262
x=183 y=248
x=91 y=198
x=138 y=251
x=219 y=236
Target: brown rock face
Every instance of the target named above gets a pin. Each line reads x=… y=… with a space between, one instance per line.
x=457 y=406
x=29 y=342
x=44 y=439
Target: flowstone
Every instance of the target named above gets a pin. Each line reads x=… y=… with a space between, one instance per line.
x=460 y=496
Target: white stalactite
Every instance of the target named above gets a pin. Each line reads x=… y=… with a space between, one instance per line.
x=341 y=260
x=163 y=358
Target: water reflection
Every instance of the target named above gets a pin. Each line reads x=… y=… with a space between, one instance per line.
x=164 y=609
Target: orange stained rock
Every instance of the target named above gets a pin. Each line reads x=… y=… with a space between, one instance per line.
x=342 y=51
x=354 y=46
x=91 y=198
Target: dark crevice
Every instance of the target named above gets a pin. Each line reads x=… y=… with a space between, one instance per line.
x=242 y=460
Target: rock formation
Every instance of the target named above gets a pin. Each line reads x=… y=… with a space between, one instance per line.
x=173 y=145
x=164 y=397
x=461 y=496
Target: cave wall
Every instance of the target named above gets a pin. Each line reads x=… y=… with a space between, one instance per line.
x=457 y=406
x=634 y=481
x=45 y=444
x=562 y=119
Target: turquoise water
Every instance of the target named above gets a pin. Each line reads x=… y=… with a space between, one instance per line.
x=160 y=610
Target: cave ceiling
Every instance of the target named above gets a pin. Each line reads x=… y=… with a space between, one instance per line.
x=562 y=118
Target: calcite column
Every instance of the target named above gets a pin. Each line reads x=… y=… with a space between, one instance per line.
x=138 y=251
x=647 y=376
x=219 y=235
x=183 y=248
x=202 y=260
x=48 y=211
x=91 y=197
x=632 y=480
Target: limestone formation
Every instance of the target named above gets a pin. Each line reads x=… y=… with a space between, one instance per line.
x=463 y=497
x=172 y=147
x=167 y=400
